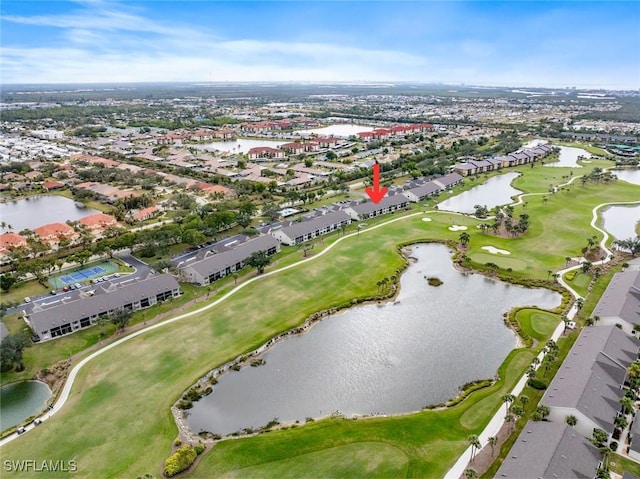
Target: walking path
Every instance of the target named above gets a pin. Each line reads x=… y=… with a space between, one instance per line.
x=497 y=421
x=66 y=391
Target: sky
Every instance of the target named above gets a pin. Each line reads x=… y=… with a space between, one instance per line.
x=584 y=44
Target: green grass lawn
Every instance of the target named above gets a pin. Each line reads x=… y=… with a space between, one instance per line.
x=580 y=283
x=117 y=421
x=537 y=323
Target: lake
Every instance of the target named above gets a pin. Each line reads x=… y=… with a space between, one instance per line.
x=497 y=190
x=389 y=358
x=343 y=130
x=630 y=176
x=18 y=401
x=620 y=221
x=36 y=211
x=569 y=157
x=240 y=145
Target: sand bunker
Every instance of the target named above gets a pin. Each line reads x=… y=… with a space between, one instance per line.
x=494 y=250
x=457 y=228
x=426 y=219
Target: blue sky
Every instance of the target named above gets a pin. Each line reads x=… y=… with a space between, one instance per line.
x=584 y=44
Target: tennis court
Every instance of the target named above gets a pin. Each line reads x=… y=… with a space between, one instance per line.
x=84 y=274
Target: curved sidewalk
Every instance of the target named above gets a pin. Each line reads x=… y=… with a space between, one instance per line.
x=66 y=390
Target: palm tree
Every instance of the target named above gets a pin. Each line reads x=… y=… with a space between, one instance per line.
x=493 y=441
x=508 y=399
x=464 y=238
x=511 y=419
x=474 y=441
x=567 y=259
x=571 y=420
x=235 y=278
x=524 y=400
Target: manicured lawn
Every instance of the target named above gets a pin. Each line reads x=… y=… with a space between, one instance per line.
x=537 y=323
x=23 y=290
x=580 y=283
x=117 y=421
x=620 y=464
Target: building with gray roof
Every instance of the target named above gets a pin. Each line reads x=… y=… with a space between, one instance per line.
x=589 y=383
x=309 y=228
x=369 y=209
x=550 y=450
x=133 y=294
x=448 y=181
x=214 y=266
x=421 y=192
x=620 y=303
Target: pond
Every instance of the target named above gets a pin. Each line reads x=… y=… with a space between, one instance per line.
x=343 y=130
x=240 y=145
x=18 y=401
x=495 y=191
x=620 y=221
x=35 y=211
x=630 y=176
x=569 y=156
x=389 y=358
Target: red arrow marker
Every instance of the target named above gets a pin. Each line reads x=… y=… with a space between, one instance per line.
x=376 y=193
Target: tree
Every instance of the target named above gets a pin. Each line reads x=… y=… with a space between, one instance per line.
x=508 y=399
x=11 y=352
x=474 y=442
x=259 y=260
x=571 y=420
x=121 y=318
x=492 y=441
x=6 y=281
x=511 y=420
x=524 y=400
x=630 y=244
x=464 y=238
x=599 y=438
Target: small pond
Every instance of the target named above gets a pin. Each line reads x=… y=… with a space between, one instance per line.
x=497 y=190
x=630 y=175
x=240 y=145
x=343 y=130
x=386 y=358
x=569 y=157
x=620 y=221
x=18 y=401
x=36 y=211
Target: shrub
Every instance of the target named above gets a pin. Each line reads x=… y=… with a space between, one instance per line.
x=199 y=449
x=434 y=281
x=179 y=461
x=613 y=446
x=570 y=276
x=537 y=384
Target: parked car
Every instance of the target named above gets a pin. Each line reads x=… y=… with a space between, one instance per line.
x=27 y=299
x=78 y=285
x=21 y=430
x=65 y=289
x=53 y=291
x=72 y=287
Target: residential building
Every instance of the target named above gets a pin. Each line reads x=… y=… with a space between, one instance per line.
x=298 y=232
x=550 y=450
x=218 y=265
x=419 y=193
x=62 y=318
x=369 y=209
x=620 y=303
x=146 y=213
x=589 y=383
x=98 y=222
x=54 y=232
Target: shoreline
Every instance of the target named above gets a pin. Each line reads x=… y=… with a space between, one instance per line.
x=186 y=434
